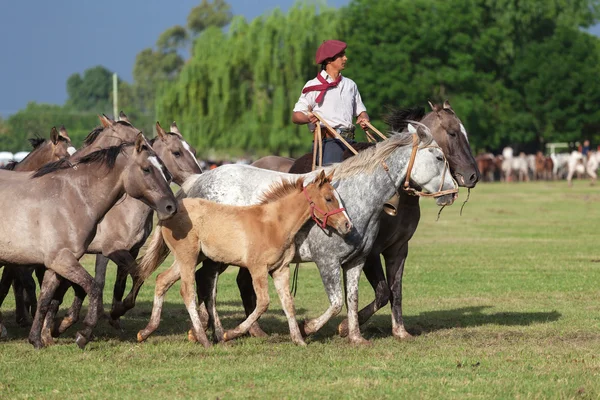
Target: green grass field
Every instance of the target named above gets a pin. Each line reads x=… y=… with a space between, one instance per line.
x=503 y=302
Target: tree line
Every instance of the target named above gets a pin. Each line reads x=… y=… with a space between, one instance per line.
x=519 y=73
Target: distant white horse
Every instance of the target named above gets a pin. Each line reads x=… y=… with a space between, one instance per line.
x=575 y=164
x=518 y=165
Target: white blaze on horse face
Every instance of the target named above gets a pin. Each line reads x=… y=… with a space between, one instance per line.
x=71 y=150
x=187 y=147
x=464 y=131
x=158 y=166
x=339 y=199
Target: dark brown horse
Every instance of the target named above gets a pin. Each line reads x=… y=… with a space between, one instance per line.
x=395 y=232
x=124 y=230
x=44 y=151
x=51 y=217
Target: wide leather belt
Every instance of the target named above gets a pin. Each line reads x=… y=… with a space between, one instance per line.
x=346 y=133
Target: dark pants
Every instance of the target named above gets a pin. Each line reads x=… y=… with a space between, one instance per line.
x=333 y=150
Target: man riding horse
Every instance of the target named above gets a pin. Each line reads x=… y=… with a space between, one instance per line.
x=335 y=98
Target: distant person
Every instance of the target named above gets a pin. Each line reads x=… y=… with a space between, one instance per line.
x=585 y=150
x=334 y=97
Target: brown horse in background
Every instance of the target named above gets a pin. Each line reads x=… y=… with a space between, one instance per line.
x=44 y=151
x=51 y=217
x=259 y=238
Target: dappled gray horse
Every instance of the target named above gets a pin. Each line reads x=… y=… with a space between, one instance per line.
x=51 y=218
x=395 y=232
x=364 y=183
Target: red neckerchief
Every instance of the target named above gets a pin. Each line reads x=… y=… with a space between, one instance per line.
x=323 y=87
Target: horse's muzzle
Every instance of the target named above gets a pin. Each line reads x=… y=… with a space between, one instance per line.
x=446 y=200
x=166 y=209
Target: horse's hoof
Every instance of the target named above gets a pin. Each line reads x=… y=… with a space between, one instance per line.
x=37 y=344
x=401 y=334
x=360 y=341
x=81 y=341
x=299 y=342
x=256 y=331
x=3 y=332
x=47 y=340
x=343 y=328
x=140 y=337
x=306 y=329
x=191 y=337
x=115 y=323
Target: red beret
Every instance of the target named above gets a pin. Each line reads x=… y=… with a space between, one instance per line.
x=329 y=49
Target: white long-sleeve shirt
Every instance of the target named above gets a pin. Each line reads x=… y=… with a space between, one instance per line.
x=340 y=105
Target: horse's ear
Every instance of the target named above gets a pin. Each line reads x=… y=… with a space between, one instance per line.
x=141 y=143
x=434 y=107
x=54 y=135
x=63 y=132
x=175 y=129
x=123 y=117
x=160 y=131
x=106 y=122
x=321 y=178
x=447 y=105
x=330 y=177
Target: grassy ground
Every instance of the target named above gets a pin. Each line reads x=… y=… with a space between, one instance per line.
x=503 y=303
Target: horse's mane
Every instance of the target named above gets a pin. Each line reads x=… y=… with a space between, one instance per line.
x=36 y=142
x=10 y=166
x=107 y=156
x=397 y=118
x=369 y=159
x=93 y=135
x=279 y=190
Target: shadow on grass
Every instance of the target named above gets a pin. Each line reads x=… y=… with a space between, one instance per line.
x=175 y=321
x=463 y=317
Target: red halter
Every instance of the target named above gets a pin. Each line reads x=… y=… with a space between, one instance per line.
x=325 y=215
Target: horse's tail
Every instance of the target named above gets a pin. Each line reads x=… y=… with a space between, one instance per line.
x=156 y=253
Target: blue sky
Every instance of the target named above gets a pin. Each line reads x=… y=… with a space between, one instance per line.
x=44 y=42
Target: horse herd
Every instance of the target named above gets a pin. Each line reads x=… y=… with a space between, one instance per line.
x=59 y=204
x=508 y=167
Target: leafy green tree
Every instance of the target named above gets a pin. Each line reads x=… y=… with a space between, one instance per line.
x=92 y=91
x=37 y=119
x=238 y=90
x=216 y=13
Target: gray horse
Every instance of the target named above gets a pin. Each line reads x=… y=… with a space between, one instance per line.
x=365 y=183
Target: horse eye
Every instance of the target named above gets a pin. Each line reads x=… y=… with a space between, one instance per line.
x=177 y=154
x=440 y=158
x=451 y=133
x=328 y=199
x=146 y=170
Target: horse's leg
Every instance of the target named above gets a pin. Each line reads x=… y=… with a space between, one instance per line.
x=49 y=285
x=330 y=275
x=73 y=313
x=206 y=288
x=281 y=278
x=4 y=289
x=374 y=272
x=244 y=282
x=29 y=291
x=19 y=283
x=260 y=283
x=187 y=265
x=67 y=265
x=394 y=263
x=126 y=265
x=351 y=277
x=164 y=281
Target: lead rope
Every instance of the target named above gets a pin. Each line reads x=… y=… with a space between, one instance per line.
x=465 y=202
x=295 y=280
